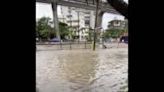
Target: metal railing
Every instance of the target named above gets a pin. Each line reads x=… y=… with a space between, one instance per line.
x=65 y=45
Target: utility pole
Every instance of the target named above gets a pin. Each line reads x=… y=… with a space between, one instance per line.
x=94 y=40
x=62 y=14
x=70 y=22
x=78 y=26
x=78 y=15
x=70 y=18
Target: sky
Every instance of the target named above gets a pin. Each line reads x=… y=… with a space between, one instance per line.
x=45 y=10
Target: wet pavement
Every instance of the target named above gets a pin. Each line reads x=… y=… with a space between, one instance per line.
x=103 y=70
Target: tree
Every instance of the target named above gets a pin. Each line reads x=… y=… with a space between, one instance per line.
x=63 y=27
x=90 y=34
x=43 y=28
x=114 y=33
x=71 y=34
x=45 y=31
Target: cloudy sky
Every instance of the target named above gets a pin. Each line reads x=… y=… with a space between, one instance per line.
x=43 y=9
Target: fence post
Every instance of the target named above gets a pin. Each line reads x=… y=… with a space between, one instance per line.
x=85 y=44
x=60 y=45
x=70 y=46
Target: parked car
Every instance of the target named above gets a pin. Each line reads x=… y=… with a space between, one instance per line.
x=55 y=40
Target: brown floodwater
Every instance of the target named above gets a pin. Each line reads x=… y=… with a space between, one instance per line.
x=82 y=70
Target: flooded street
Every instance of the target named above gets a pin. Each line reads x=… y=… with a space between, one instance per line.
x=83 y=70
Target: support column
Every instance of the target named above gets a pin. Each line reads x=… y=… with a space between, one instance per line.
x=55 y=18
x=80 y=34
x=99 y=18
x=99 y=30
x=92 y=19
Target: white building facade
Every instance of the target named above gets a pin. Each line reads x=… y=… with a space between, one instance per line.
x=79 y=19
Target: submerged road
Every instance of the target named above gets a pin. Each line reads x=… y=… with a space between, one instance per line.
x=104 y=70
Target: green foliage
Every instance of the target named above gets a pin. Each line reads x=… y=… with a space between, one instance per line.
x=90 y=34
x=114 y=33
x=71 y=33
x=45 y=31
x=63 y=27
x=43 y=28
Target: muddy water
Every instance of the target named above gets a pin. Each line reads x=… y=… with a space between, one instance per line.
x=81 y=70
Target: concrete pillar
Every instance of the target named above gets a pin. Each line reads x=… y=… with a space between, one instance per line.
x=99 y=30
x=99 y=18
x=92 y=19
x=55 y=18
x=80 y=34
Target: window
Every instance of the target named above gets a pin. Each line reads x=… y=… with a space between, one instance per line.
x=69 y=16
x=87 y=22
x=69 y=10
x=117 y=23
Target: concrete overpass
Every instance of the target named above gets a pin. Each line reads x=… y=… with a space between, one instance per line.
x=104 y=6
x=121 y=6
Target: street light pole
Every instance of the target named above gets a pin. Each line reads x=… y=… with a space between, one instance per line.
x=70 y=23
x=78 y=26
x=94 y=40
